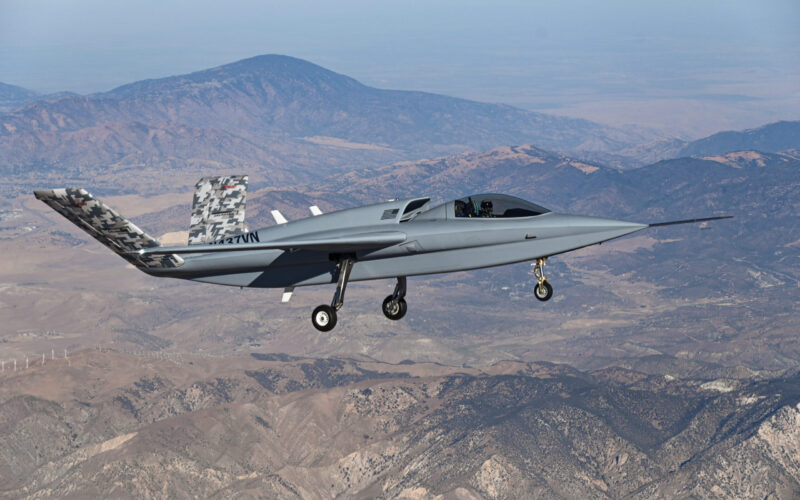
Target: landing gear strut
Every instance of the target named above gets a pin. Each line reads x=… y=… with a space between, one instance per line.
x=394 y=305
x=542 y=291
x=324 y=316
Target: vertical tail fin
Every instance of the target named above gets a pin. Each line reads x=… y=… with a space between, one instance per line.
x=218 y=208
x=106 y=226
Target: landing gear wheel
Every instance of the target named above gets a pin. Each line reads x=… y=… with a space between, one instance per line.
x=394 y=309
x=543 y=291
x=324 y=318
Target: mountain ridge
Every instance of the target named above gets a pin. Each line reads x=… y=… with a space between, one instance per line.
x=302 y=113
x=13 y=96
x=286 y=100
x=773 y=137
x=144 y=426
x=265 y=66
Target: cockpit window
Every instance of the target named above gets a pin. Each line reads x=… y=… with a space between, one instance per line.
x=496 y=206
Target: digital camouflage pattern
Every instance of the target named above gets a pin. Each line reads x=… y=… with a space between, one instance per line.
x=218 y=208
x=107 y=226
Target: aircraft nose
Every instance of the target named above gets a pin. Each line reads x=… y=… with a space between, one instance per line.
x=611 y=228
x=603 y=223
x=600 y=223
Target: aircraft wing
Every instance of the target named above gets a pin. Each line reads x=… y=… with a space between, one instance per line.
x=349 y=243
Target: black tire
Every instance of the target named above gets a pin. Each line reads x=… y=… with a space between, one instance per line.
x=324 y=318
x=392 y=310
x=545 y=293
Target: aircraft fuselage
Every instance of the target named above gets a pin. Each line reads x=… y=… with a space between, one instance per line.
x=435 y=242
x=395 y=239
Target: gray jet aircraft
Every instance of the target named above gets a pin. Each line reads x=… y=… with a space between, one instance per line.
x=395 y=239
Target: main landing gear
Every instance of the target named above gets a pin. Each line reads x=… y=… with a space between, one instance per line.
x=394 y=305
x=542 y=291
x=324 y=316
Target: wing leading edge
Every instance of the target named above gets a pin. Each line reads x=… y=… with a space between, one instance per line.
x=351 y=243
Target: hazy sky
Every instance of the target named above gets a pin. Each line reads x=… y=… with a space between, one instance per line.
x=681 y=66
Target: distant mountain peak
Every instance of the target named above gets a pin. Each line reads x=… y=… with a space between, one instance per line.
x=771 y=138
x=273 y=61
x=8 y=89
x=12 y=96
x=272 y=70
x=275 y=65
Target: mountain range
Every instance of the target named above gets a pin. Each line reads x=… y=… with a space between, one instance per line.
x=290 y=119
x=772 y=138
x=13 y=97
x=741 y=275
x=678 y=344
x=275 y=106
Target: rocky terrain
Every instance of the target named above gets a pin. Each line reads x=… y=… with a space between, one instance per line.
x=102 y=423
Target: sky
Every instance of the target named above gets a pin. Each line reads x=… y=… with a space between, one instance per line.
x=681 y=67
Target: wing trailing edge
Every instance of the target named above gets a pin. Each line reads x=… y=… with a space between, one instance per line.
x=350 y=243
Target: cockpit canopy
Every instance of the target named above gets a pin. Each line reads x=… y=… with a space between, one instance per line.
x=495 y=206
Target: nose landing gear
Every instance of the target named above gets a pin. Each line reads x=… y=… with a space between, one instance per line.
x=542 y=291
x=394 y=305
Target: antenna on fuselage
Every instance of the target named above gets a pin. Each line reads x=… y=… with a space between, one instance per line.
x=278 y=216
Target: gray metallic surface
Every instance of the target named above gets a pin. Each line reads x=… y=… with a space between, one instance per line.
x=332 y=241
x=386 y=240
x=430 y=246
